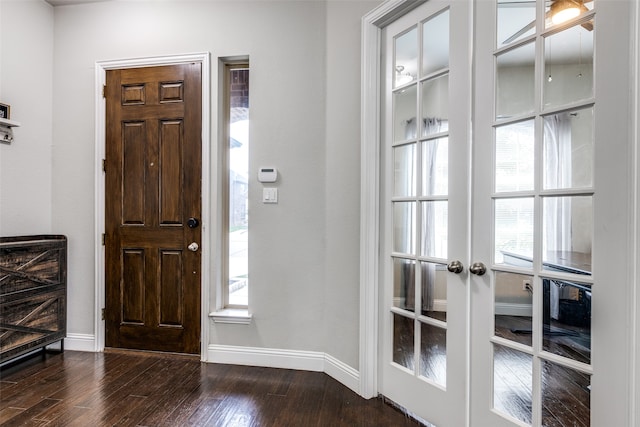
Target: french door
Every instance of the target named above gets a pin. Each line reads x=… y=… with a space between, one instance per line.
x=501 y=162
x=425 y=196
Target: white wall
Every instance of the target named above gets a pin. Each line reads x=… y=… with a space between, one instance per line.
x=305 y=120
x=342 y=183
x=26 y=62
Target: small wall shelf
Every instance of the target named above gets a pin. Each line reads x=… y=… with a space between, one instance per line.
x=6 y=132
x=9 y=123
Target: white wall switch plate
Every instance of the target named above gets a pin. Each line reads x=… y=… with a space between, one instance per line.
x=270 y=195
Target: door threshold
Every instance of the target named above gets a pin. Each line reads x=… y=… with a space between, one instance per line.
x=151 y=353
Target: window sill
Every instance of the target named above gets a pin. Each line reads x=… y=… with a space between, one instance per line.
x=238 y=316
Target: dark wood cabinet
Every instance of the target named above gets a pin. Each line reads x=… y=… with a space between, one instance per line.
x=33 y=293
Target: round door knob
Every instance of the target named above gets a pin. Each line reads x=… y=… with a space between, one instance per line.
x=455 y=267
x=193 y=247
x=193 y=222
x=478 y=268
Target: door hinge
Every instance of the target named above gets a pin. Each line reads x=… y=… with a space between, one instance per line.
x=102 y=314
x=104 y=238
x=104 y=91
x=104 y=165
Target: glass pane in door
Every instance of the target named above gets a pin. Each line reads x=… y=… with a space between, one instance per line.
x=435 y=105
x=566 y=318
x=514 y=157
x=433 y=279
x=512 y=382
x=568 y=150
x=568 y=66
x=433 y=353
x=435 y=167
x=406 y=57
x=567 y=225
x=435 y=215
x=403 y=342
x=404 y=218
x=515 y=82
x=435 y=43
x=566 y=396
x=404 y=170
x=516 y=20
x=404 y=114
x=514 y=307
x=404 y=278
x=513 y=225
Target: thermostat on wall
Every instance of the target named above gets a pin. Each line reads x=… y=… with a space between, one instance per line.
x=268 y=175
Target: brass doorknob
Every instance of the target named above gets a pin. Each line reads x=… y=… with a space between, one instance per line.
x=455 y=267
x=478 y=268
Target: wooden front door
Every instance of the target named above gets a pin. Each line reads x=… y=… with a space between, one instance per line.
x=153 y=207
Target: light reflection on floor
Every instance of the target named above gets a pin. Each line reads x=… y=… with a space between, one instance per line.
x=565 y=392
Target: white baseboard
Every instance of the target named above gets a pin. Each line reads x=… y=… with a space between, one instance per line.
x=272 y=358
x=440 y=305
x=511 y=309
x=254 y=356
x=80 y=342
x=503 y=309
x=286 y=359
x=341 y=372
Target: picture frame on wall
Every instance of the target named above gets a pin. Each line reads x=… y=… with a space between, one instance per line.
x=5 y=111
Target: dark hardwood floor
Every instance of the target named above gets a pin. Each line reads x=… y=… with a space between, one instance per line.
x=147 y=389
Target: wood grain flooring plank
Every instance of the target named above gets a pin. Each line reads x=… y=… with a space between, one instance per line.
x=30 y=415
x=170 y=403
x=21 y=381
x=168 y=395
x=106 y=377
x=29 y=392
x=68 y=416
x=121 y=397
x=145 y=391
x=7 y=413
x=181 y=413
x=116 y=374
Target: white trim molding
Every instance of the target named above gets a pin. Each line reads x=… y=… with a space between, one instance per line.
x=286 y=359
x=635 y=131
x=236 y=316
x=372 y=24
x=101 y=68
x=80 y=342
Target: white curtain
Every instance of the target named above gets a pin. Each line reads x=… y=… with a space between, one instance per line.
x=557 y=174
x=430 y=126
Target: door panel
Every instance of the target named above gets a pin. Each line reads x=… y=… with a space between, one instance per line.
x=536 y=356
x=425 y=154
x=153 y=185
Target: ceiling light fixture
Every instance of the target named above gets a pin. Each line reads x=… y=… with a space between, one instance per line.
x=402 y=78
x=564 y=10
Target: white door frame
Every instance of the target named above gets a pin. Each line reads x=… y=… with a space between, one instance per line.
x=635 y=132
x=100 y=129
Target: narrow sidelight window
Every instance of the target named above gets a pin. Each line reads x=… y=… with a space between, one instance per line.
x=237 y=184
